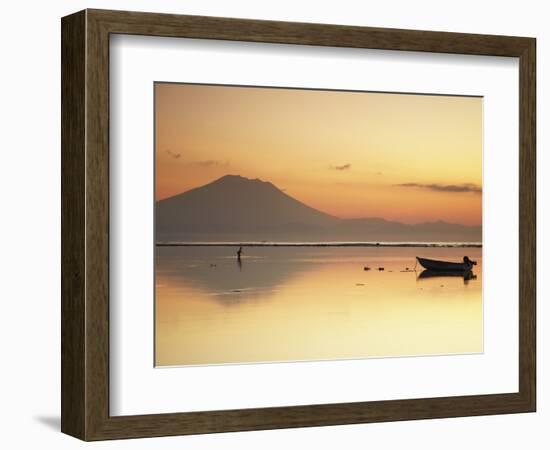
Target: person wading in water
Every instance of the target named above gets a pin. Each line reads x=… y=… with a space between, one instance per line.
x=239 y=258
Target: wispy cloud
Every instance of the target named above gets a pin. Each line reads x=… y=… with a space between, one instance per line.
x=209 y=163
x=466 y=187
x=173 y=154
x=200 y=163
x=342 y=167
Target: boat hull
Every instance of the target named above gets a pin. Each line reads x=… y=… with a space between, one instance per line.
x=443 y=266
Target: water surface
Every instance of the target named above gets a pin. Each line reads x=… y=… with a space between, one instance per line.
x=311 y=303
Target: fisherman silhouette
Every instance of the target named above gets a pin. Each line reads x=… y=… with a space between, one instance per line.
x=239 y=262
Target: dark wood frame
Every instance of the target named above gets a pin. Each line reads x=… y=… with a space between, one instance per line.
x=85 y=224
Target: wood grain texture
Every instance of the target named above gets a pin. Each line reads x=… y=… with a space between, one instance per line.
x=152 y=24
x=527 y=224
x=85 y=224
x=97 y=226
x=73 y=226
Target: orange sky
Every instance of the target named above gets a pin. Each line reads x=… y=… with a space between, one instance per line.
x=409 y=158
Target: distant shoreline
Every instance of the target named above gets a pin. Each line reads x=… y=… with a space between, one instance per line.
x=322 y=244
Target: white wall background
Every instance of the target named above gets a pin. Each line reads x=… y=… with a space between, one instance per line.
x=30 y=221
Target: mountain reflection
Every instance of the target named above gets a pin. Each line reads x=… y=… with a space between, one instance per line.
x=225 y=278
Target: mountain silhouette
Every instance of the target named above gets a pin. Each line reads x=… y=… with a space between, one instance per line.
x=234 y=208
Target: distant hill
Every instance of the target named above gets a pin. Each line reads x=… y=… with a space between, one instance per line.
x=234 y=208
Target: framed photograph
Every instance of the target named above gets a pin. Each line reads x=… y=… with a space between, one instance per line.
x=273 y=225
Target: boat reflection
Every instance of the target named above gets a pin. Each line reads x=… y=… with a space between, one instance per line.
x=466 y=275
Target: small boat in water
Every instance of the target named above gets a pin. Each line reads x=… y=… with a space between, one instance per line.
x=446 y=266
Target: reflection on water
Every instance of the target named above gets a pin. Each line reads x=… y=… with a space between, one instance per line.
x=466 y=275
x=288 y=304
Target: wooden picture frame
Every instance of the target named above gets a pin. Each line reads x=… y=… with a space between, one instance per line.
x=85 y=224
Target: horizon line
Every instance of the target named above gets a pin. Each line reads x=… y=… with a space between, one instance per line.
x=450 y=244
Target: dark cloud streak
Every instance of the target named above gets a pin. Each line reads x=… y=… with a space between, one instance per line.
x=173 y=154
x=342 y=167
x=466 y=187
x=209 y=163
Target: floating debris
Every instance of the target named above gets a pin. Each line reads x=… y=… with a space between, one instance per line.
x=359 y=284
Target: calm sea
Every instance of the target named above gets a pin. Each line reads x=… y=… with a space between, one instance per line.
x=311 y=303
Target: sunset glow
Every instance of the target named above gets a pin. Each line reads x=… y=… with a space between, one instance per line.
x=407 y=158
